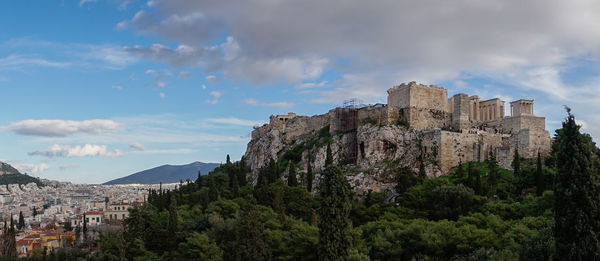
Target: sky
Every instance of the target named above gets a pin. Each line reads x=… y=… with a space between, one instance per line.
x=94 y=90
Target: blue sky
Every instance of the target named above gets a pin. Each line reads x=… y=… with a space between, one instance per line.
x=95 y=90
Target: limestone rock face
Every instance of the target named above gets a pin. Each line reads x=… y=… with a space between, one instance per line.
x=261 y=150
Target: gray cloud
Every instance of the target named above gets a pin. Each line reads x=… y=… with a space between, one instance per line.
x=137 y=146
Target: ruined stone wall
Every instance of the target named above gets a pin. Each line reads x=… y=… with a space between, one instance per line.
x=304 y=125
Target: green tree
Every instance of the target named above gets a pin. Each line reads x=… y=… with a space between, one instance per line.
x=539 y=176
x=309 y=176
x=213 y=193
x=292 y=179
x=333 y=215
x=492 y=174
x=422 y=175
x=252 y=242
x=173 y=225
x=34 y=212
x=21 y=223
x=328 y=156
x=199 y=247
x=67 y=226
x=228 y=160
x=516 y=163
x=577 y=227
x=450 y=202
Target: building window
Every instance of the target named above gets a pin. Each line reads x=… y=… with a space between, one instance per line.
x=87 y=220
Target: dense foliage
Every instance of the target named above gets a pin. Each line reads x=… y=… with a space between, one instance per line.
x=21 y=179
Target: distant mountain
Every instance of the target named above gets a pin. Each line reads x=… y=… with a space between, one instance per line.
x=166 y=174
x=10 y=175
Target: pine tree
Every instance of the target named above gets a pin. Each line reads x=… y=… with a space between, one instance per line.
x=228 y=160
x=328 y=156
x=309 y=176
x=274 y=174
x=292 y=179
x=517 y=162
x=577 y=227
x=21 y=223
x=539 y=176
x=251 y=239
x=333 y=215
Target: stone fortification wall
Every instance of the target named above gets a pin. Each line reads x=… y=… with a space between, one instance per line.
x=376 y=114
x=420 y=118
x=418 y=95
x=304 y=125
x=460 y=111
x=457 y=147
x=516 y=123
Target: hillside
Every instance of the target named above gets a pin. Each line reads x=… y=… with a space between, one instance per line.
x=10 y=175
x=166 y=174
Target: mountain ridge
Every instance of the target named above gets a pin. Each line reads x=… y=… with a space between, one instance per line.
x=166 y=174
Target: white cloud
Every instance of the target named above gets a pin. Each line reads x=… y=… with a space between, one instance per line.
x=216 y=95
x=162 y=95
x=166 y=151
x=82 y=2
x=117 y=87
x=87 y=150
x=61 y=128
x=67 y=166
x=280 y=105
x=234 y=121
x=137 y=146
x=212 y=78
x=159 y=77
x=312 y=85
x=31 y=168
x=203 y=87
x=18 y=62
x=185 y=75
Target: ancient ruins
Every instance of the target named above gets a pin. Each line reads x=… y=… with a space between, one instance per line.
x=417 y=120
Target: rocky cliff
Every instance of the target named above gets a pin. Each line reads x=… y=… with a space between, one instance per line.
x=371 y=156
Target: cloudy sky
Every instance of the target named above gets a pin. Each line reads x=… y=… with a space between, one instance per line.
x=93 y=90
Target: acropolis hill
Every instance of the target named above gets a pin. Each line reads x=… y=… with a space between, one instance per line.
x=418 y=123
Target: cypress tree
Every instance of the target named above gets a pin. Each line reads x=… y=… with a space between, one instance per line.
x=328 y=156
x=539 y=176
x=470 y=181
x=517 y=162
x=577 y=227
x=274 y=174
x=478 y=187
x=21 y=223
x=333 y=215
x=172 y=226
x=460 y=171
x=422 y=175
x=242 y=172
x=235 y=187
x=213 y=193
x=292 y=179
x=493 y=173
x=309 y=176
x=228 y=160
